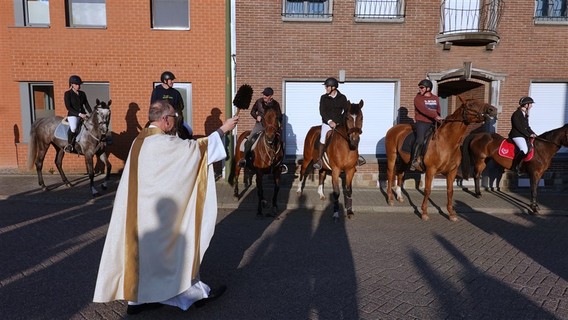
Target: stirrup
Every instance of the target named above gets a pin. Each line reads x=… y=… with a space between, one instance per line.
x=415 y=165
x=69 y=148
x=317 y=165
x=361 y=161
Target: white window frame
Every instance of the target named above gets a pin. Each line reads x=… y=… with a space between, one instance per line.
x=379 y=10
x=304 y=10
x=86 y=13
x=185 y=90
x=31 y=13
x=173 y=9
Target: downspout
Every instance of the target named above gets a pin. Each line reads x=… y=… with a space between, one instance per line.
x=229 y=25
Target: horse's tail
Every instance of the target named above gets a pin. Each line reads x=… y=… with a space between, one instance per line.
x=32 y=148
x=466 y=157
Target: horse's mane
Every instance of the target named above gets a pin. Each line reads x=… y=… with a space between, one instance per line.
x=547 y=134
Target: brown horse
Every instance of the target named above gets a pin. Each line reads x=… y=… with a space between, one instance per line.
x=483 y=146
x=341 y=156
x=443 y=153
x=90 y=143
x=267 y=157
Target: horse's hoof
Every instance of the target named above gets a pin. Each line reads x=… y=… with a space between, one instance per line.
x=425 y=217
x=96 y=194
x=104 y=187
x=478 y=195
x=350 y=215
x=391 y=203
x=453 y=218
x=322 y=198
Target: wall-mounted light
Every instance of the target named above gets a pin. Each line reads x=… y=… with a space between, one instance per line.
x=341 y=76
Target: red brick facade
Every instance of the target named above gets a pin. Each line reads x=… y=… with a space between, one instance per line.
x=128 y=54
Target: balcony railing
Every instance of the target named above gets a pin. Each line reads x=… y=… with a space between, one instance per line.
x=470 y=22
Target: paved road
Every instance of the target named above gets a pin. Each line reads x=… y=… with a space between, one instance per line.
x=496 y=262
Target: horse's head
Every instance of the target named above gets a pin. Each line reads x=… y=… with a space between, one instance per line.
x=354 y=123
x=474 y=111
x=271 y=125
x=101 y=114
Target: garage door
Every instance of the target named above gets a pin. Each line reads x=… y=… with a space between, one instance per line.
x=550 y=108
x=301 y=106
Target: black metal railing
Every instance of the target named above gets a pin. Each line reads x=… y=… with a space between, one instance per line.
x=551 y=10
x=462 y=16
x=310 y=9
x=379 y=9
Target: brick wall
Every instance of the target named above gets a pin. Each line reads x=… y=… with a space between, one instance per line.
x=127 y=54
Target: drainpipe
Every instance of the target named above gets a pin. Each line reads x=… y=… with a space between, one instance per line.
x=229 y=25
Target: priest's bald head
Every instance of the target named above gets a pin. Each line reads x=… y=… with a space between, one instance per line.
x=163 y=116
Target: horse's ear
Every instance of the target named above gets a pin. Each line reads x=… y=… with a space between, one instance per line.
x=98 y=101
x=361 y=103
x=108 y=104
x=461 y=99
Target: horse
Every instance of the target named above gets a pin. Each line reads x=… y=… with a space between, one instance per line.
x=267 y=157
x=442 y=155
x=483 y=146
x=90 y=142
x=341 y=156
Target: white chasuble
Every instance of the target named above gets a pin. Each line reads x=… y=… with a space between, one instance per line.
x=163 y=218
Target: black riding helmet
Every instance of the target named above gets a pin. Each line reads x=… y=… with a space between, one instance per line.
x=332 y=82
x=525 y=100
x=75 y=79
x=426 y=83
x=167 y=75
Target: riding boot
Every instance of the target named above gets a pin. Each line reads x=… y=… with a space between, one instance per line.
x=70 y=142
x=317 y=162
x=517 y=161
x=416 y=160
x=248 y=145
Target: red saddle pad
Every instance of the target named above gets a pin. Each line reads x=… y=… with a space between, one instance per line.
x=507 y=150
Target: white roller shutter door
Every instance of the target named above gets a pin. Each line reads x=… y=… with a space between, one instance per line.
x=550 y=108
x=302 y=112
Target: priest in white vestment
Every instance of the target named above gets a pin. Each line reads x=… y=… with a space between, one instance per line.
x=163 y=217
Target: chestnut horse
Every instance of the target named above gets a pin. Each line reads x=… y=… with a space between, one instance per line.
x=483 y=146
x=90 y=143
x=341 y=156
x=267 y=157
x=442 y=155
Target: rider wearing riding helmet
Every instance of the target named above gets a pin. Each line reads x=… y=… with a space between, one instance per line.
x=166 y=91
x=77 y=108
x=520 y=130
x=333 y=104
x=426 y=112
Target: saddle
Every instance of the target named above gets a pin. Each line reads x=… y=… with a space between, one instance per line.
x=408 y=143
x=508 y=149
x=62 y=129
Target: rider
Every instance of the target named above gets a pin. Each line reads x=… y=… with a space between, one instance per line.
x=520 y=130
x=426 y=112
x=332 y=106
x=257 y=112
x=77 y=108
x=166 y=91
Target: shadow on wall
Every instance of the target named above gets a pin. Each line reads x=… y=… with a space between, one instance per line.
x=121 y=141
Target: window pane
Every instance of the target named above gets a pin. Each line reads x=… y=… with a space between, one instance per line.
x=377 y=8
x=37 y=12
x=41 y=100
x=171 y=14
x=88 y=13
x=307 y=9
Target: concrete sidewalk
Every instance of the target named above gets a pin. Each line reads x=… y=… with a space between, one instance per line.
x=369 y=199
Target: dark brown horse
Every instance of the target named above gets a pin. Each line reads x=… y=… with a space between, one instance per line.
x=267 y=157
x=90 y=143
x=483 y=146
x=443 y=153
x=341 y=156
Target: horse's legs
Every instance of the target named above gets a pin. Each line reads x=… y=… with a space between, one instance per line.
x=478 y=170
x=104 y=158
x=335 y=183
x=398 y=188
x=450 y=194
x=276 y=176
x=59 y=165
x=427 y=191
x=39 y=166
x=321 y=178
x=390 y=177
x=348 y=192
x=260 y=193
x=534 y=178
x=91 y=172
x=303 y=175
x=236 y=181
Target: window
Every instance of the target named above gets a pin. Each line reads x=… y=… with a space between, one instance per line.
x=32 y=13
x=36 y=100
x=551 y=10
x=184 y=89
x=170 y=14
x=86 y=13
x=550 y=110
x=384 y=10
x=307 y=10
x=461 y=16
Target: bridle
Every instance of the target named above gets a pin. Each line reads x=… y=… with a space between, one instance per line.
x=89 y=126
x=466 y=112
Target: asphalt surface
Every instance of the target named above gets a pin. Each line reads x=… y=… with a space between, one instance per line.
x=496 y=262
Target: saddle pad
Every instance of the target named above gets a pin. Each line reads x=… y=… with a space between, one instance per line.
x=61 y=131
x=507 y=150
